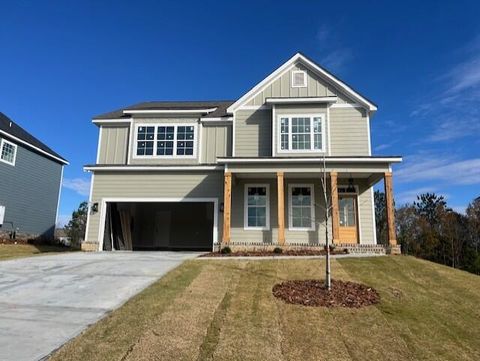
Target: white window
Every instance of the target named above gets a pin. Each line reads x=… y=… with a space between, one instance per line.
x=166 y=140
x=302 y=133
x=8 y=152
x=301 y=209
x=299 y=79
x=257 y=207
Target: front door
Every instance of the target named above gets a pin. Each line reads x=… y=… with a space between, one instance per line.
x=348 y=218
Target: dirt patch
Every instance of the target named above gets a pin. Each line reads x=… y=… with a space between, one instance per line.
x=314 y=293
x=300 y=252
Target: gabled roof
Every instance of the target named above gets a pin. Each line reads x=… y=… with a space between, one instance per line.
x=10 y=129
x=316 y=68
x=220 y=105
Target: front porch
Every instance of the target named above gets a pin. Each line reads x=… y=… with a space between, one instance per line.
x=283 y=204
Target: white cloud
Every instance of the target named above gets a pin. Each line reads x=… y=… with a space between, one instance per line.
x=454 y=128
x=336 y=56
x=411 y=195
x=449 y=170
x=460 y=209
x=382 y=146
x=79 y=185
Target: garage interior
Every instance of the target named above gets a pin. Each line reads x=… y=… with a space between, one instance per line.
x=152 y=226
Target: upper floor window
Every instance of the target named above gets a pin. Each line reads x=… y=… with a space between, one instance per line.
x=8 y=152
x=166 y=140
x=299 y=79
x=302 y=133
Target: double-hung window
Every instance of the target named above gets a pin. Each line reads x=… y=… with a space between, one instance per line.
x=301 y=207
x=8 y=152
x=302 y=133
x=166 y=140
x=257 y=207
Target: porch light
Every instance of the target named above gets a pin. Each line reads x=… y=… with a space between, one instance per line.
x=350 y=188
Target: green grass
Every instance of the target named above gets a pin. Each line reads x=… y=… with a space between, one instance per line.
x=224 y=310
x=10 y=251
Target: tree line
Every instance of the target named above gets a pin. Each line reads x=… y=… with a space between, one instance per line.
x=429 y=229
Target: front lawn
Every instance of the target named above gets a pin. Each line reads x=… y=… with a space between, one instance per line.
x=225 y=310
x=9 y=251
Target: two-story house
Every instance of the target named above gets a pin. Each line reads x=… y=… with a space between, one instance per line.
x=30 y=183
x=249 y=172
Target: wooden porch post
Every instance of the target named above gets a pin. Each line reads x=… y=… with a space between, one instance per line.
x=227 y=206
x=281 y=208
x=335 y=212
x=392 y=238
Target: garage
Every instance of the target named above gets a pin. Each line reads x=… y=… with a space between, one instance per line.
x=155 y=226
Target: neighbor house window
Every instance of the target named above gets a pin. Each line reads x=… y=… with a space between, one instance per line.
x=302 y=133
x=166 y=140
x=8 y=152
x=301 y=207
x=257 y=208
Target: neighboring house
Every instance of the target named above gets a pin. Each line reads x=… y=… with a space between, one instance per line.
x=247 y=172
x=30 y=183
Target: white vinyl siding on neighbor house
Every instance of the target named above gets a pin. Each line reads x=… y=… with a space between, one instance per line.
x=257 y=207
x=301 y=133
x=301 y=207
x=165 y=141
x=8 y=152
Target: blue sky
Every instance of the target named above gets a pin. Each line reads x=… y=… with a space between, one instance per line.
x=62 y=62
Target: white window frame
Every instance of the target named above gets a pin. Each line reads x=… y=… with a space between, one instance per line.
x=304 y=85
x=15 y=147
x=312 y=138
x=174 y=155
x=290 y=207
x=245 y=207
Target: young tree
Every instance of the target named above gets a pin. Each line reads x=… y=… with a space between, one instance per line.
x=75 y=229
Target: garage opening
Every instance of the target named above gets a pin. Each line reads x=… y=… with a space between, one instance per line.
x=159 y=226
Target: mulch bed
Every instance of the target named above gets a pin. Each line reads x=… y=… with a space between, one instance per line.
x=300 y=252
x=314 y=293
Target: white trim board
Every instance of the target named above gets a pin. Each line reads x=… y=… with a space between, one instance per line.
x=170 y=111
x=104 y=201
x=306 y=100
x=310 y=160
x=154 y=168
x=287 y=66
x=8 y=135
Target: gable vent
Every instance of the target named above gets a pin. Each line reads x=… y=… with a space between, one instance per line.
x=299 y=79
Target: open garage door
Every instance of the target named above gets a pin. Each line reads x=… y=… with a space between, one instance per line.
x=144 y=226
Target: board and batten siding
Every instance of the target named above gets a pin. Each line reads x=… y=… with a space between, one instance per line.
x=216 y=141
x=281 y=87
x=253 y=133
x=29 y=191
x=113 y=144
x=192 y=184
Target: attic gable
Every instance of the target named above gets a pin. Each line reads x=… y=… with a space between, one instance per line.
x=319 y=83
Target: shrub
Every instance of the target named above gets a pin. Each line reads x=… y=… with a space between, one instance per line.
x=277 y=250
x=226 y=250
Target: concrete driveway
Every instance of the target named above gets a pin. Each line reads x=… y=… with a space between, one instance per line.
x=47 y=300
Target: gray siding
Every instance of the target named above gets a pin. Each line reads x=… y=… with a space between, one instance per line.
x=216 y=141
x=29 y=191
x=281 y=87
x=253 y=133
x=349 y=131
x=153 y=185
x=113 y=144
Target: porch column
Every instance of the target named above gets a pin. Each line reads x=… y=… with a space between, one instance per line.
x=335 y=213
x=392 y=238
x=227 y=206
x=281 y=208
